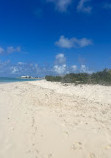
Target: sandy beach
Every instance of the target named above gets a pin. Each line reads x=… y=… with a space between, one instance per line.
x=40 y=119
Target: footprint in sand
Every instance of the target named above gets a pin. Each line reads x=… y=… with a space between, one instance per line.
x=108 y=147
x=92 y=155
x=77 y=146
x=66 y=133
x=50 y=155
x=33 y=121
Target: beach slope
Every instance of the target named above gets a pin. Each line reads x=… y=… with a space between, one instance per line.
x=40 y=119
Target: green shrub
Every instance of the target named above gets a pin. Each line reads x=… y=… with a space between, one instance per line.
x=102 y=77
x=53 y=78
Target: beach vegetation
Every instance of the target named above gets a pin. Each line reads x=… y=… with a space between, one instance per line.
x=102 y=77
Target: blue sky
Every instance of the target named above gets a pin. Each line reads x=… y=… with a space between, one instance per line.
x=39 y=37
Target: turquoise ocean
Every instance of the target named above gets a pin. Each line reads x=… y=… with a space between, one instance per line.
x=7 y=79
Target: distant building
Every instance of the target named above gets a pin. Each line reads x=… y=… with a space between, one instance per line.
x=26 y=77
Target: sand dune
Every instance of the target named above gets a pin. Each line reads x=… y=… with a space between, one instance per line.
x=40 y=119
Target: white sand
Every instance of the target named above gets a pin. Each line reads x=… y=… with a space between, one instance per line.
x=41 y=119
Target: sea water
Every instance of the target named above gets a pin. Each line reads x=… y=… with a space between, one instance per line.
x=8 y=79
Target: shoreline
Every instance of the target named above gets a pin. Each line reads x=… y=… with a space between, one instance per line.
x=21 y=80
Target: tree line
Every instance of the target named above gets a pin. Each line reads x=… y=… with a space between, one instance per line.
x=102 y=77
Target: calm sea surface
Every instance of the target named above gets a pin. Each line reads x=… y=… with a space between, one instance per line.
x=7 y=79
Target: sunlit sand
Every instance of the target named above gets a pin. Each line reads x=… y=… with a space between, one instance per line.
x=40 y=119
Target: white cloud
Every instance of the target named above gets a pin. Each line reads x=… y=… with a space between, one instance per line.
x=84 y=42
x=61 y=5
x=73 y=42
x=9 y=69
x=4 y=66
x=64 y=42
x=84 y=69
x=20 y=63
x=11 y=49
x=60 y=66
x=20 y=69
x=5 y=63
x=74 y=68
x=60 y=69
x=14 y=70
x=60 y=59
x=82 y=7
x=1 y=50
